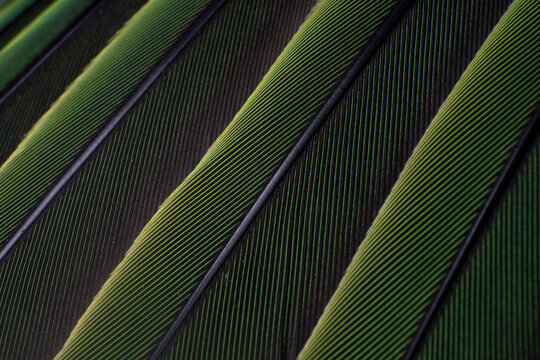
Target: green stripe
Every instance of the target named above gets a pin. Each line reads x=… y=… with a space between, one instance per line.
x=11 y=10
x=80 y=113
x=23 y=108
x=494 y=313
x=269 y=295
x=22 y=20
x=30 y=42
x=85 y=232
x=410 y=246
x=160 y=271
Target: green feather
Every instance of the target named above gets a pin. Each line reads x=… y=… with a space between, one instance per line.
x=426 y=218
x=24 y=48
x=269 y=179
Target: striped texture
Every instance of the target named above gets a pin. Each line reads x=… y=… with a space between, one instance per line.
x=411 y=244
x=266 y=301
x=11 y=10
x=56 y=139
x=14 y=21
x=271 y=291
x=494 y=312
x=147 y=290
x=23 y=108
x=86 y=231
x=16 y=55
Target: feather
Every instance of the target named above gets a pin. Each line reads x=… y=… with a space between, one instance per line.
x=76 y=243
x=18 y=53
x=97 y=99
x=170 y=257
x=437 y=200
x=492 y=311
x=176 y=202
x=11 y=10
x=24 y=101
x=15 y=15
x=273 y=288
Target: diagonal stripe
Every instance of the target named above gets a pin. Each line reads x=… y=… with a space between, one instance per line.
x=304 y=140
x=72 y=29
x=180 y=45
x=485 y=214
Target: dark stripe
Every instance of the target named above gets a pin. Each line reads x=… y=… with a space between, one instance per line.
x=525 y=143
x=180 y=45
x=72 y=29
x=22 y=20
x=304 y=140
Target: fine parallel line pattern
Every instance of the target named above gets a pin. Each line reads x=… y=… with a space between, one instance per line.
x=409 y=248
x=26 y=47
x=114 y=120
x=302 y=142
x=176 y=248
x=484 y=215
x=47 y=53
x=56 y=141
x=494 y=310
x=42 y=87
x=273 y=288
x=87 y=229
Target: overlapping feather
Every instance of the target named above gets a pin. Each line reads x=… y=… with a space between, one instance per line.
x=244 y=255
